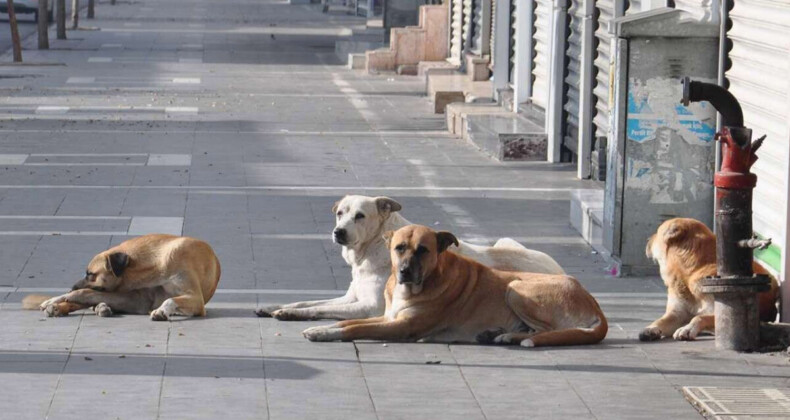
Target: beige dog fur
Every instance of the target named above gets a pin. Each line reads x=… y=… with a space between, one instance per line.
x=685 y=250
x=163 y=275
x=363 y=220
x=439 y=296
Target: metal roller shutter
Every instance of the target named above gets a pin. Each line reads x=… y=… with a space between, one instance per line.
x=492 y=34
x=606 y=12
x=700 y=9
x=466 y=41
x=476 y=27
x=456 y=30
x=758 y=77
x=512 y=42
x=542 y=62
x=573 y=76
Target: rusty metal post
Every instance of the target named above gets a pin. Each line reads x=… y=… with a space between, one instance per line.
x=735 y=287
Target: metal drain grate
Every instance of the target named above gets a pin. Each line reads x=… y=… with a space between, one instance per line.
x=740 y=403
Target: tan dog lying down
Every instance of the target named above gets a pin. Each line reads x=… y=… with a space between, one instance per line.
x=685 y=249
x=360 y=223
x=439 y=296
x=163 y=275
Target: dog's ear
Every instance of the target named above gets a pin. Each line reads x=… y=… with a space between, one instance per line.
x=118 y=262
x=387 y=205
x=387 y=236
x=673 y=232
x=649 y=246
x=336 y=205
x=443 y=241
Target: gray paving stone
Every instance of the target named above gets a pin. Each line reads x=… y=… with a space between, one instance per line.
x=274 y=144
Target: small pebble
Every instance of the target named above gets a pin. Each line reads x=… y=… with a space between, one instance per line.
x=277 y=334
x=384 y=345
x=88 y=358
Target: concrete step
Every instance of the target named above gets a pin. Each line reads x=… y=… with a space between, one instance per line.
x=371 y=33
x=356 y=61
x=506 y=136
x=425 y=68
x=586 y=216
x=444 y=89
x=456 y=114
x=353 y=45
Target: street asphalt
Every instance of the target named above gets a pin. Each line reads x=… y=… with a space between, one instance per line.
x=234 y=122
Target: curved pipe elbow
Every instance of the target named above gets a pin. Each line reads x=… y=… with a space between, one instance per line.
x=720 y=98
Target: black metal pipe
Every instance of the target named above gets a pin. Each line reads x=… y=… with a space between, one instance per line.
x=720 y=98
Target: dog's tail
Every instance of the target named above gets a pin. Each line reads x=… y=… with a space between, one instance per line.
x=508 y=243
x=33 y=301
x=571 y=336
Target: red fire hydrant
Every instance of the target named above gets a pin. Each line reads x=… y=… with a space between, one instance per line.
x=735 y=287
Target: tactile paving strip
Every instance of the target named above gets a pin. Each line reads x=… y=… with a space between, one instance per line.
x=740 y=403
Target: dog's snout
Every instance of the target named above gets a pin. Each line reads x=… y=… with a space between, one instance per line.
x=405 y=274
x=340 y=236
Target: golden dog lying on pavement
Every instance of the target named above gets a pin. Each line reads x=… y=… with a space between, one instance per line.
x=163 y=275
x=439 y=296
x=360 y=222
x=685 y=249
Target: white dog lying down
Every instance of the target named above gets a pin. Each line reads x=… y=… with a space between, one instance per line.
x=360 y=224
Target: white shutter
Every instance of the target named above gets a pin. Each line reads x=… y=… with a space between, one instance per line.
x=573 y=77
x=477 y=26
x=606 y=12
x=456 y=30
x=760 y=79
x=492 y=34
x=542 y=63
x=467 y=26
x=634 y=6
x=702 y=10
x=512 y=44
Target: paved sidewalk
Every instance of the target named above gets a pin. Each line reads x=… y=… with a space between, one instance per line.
x=233 y=121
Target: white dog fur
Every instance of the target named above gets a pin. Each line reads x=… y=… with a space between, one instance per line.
x=364 y=220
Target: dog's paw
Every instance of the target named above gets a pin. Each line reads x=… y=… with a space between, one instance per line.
x=488 y=336
x=289 y=315
x=266 y=311
x=102 y=310
x=507 y=338
x=52 y=302
x=158 y=315
x=685 y=333
x=527 y=343
x=322 y=334
x=53 y=311
x=650 y=334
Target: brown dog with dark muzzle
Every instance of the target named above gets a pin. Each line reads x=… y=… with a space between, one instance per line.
x=685 y=250
x=160 y=275
x=438 y=296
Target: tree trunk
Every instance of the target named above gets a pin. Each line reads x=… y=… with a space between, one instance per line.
x=90 y=9
x=43 y=25
x=60 y=5
x=14 y=32
x=75 y=14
